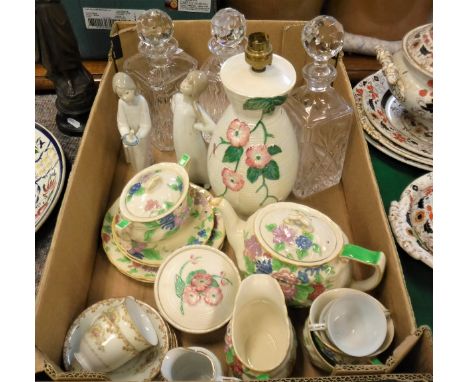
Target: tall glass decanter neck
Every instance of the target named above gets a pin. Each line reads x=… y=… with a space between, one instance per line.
x=318 y=75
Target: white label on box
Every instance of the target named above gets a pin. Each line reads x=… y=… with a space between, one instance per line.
x=203 y=6
x=103 y=18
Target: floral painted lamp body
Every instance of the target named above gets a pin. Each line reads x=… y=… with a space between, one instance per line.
x=133 y=122
x=189 y=120
x=253 y=156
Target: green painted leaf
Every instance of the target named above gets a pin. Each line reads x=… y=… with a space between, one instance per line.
x=149 y=234
x=233 y=154
x=168 y=205
x=108 y=218
x=230 y=356
x=214 y=283
x=263 y=377
x=316 y=248
x=267 y=105
x=249 y=265
x=179 y=286
x=151 y=254
x=149 y=275
x=303 y=291
x=278 y=265
x=253 y=174
x=189 y=277
x=279 y=247
x=273 y=150
x=271 y=227
x=271 y=171
x=124 y=260
x=301 y=253
x=152 y=225
x=195 y=214
x=133 y=270
x=107 y=229
x=174 y=187
x=192 y=240
x=140 y=191
x=308 y=235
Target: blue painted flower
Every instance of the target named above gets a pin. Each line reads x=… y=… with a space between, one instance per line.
x=263 y=266
x=202 y=233
x=134 y=188
x=168 y=222
x=136 y=254
x=303 y=242
x=302 y=275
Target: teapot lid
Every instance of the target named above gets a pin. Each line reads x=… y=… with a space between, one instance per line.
x=417 y=45
x=154 y=192
x=298 y=234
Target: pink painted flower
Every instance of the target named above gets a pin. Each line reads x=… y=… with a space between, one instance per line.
x=257 y=156
x=318 y=290
x=283 y=234
x=193 y=259
x=287 y=281
x=201 y=281
x=238 y=133
x=232 y=180
x=151 y=204
x=213 y=296
x=191 y=296
x=106 y=237
x=252 y=248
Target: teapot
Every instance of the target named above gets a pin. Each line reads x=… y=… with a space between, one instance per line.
x=409 y=72
x=302 y=248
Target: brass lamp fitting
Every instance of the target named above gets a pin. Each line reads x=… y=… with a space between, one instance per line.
x=259 y=52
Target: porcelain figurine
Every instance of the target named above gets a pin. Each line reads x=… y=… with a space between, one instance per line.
x=190 y=119
x=409 y=72
x=303 y=249
x=133 y=122
x=260 y=342
x=253 y=154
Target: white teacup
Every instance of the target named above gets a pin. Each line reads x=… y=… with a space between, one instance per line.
x=115 y=337
x=355 y=324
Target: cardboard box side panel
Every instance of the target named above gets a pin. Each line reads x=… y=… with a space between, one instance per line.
x=420 y=358
x=69 y=268
x=363 y=200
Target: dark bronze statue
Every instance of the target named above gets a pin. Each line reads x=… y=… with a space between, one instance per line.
x=59 y=53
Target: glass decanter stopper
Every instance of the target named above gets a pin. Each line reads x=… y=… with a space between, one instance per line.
x=326 y=117
x=228 y=27
x=158 y=69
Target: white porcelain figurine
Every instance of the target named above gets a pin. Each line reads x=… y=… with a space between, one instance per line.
x=189 y=121
x=133 y=122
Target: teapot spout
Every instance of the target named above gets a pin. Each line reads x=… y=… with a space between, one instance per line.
x=234 y=227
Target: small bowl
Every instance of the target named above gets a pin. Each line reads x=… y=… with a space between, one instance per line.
x=195 y=289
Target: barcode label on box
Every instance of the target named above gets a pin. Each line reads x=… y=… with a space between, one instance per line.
x=202 y=6
x=103 y=18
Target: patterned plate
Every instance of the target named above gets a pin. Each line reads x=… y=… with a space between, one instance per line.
x=50 y=173
x=195 y=230
x=140 y=272
x=144 y=367
x=411 y=219
x=388 y=116
x=372 y=132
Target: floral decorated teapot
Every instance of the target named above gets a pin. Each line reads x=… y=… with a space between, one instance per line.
x=253 y=154
x=303 y=249
x=409 y=72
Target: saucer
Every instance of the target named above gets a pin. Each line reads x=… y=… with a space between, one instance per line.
x=50 y=173
x=390 y=118
x=380 y=142
x=137 y=271
x=411 y=219
x=195 y=230
x=144 y=366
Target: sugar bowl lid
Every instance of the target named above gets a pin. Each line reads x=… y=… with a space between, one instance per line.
x=298 y=234
x=154 y=192
x=195 y=289
x=417 y=45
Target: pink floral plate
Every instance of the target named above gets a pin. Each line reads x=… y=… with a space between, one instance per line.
x=50 y=173
x=388 y=116
x=411 y=219
x=196 y=288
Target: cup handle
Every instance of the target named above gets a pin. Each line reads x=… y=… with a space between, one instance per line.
x=317 y=326
x=362 y=255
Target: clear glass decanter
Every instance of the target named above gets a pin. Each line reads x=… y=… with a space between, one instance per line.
x=228 y=28
x=158 y=69
x=326 y=117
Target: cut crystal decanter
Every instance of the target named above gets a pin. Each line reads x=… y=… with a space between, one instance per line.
x=228 y=28
x=326 y=117
x=158 y=68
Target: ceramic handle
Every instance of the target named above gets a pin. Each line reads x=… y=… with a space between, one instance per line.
x=391 y=73
x=362 y=255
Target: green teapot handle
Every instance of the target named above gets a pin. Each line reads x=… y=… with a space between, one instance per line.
x=362 y=255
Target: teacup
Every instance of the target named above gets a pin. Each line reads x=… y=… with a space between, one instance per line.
x=154 y=203
x=115 y=337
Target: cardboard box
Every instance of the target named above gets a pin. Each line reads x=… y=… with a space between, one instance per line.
x=78 y=273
